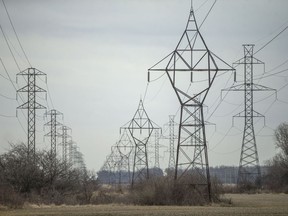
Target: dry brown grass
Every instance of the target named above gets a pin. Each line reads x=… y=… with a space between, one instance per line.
x=256 y=204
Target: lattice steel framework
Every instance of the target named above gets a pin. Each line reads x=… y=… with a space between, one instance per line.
x=157 y=148
x=72 y=148
x=65 y=143
x=125 y=147
x=112 y=165
x=31 y=105
x=171 y=163
x=249 y=169
x=194 y=67
x=140 y=129
x=53 y=124
x=79 y=160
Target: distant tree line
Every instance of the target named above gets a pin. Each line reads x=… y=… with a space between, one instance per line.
x=43 y=178
x=224 y=174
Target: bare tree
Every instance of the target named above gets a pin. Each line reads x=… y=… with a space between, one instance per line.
x=277 y=173
x=281 y=136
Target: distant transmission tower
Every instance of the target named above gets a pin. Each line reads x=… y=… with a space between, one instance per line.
x=112 y=165
x=249 y=169
x=31 y=105
x=140 y=129
x=53 y=124
x=125 y=148
x=191 y=88
x=157 y=147
x=66 y=141
x=171 y=164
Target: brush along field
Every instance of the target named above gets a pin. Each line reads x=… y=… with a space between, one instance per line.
x=242 y=204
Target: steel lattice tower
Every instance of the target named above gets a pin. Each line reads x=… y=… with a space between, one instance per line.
x=186 y=67
x=79 y=160
x=72 y=148
x=66 y=140
x=112 y=165
x=249 y=169
x=53 y=124
x=171 y=164
x=157 y=146
x=140 y=129
x=125 y=148
x=31 y=105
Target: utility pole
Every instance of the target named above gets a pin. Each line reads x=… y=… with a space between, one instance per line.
x=191 y=69
x=249 y=168
x=140 y=128
x=31 y=105
x=53 y=124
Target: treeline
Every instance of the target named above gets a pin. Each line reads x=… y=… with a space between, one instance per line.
x=42 y=179
x=224 y=174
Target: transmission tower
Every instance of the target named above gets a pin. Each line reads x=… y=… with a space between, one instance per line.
x=191 y=88
x=157 y=146
x=31 y=105
x=66 y=141
x=72 y=149
x=249 y=169
x=112 y=165
x=171 y=164
x=140 y=129
x=125 y=148
x=53 y=124
x=77 y=159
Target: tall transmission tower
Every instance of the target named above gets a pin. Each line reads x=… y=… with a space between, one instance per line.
x=53 y=124
x=191 y=88
x=140 y=128
x=31 y=105
x=171 y=164
x=249 y=169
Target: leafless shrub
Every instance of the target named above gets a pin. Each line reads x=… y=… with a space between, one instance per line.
x=10 y=198
x=45 y=179
x=276 y=178
x=165 y=191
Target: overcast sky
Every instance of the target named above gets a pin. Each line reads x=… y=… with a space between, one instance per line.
x=96 y=55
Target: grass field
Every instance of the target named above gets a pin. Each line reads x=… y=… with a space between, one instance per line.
x=242 y=204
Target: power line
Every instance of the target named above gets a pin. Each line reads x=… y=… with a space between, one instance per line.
x=278 y=66
x=5 y=69
x=6 y=40
x=15 y=91
x=208 y=13
x=21 y=125
x=16 y=33
x=50 y=98
x=200 y=5
x=271 y=40
x=9 y=98
x=268 y=75
x=7 y=116
x=6 y=78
